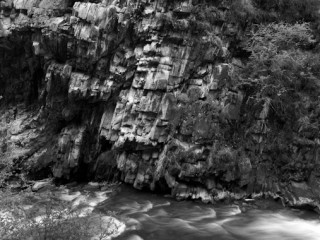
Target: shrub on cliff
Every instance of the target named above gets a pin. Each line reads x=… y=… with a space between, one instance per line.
x=262 y=11
x=291 y=10
x=284 y=68
x=280 y=51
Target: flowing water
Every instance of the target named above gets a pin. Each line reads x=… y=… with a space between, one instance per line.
x=152 y=217
x=140 y=215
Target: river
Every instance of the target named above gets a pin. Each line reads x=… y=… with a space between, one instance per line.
x=137 y=215
x=154 y=217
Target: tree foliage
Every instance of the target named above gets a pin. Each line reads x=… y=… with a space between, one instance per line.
x=284 y=66
x=279 y=50
x=291 y=10
x=262 y=11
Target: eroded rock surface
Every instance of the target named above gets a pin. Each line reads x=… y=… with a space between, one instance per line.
x=141 y=88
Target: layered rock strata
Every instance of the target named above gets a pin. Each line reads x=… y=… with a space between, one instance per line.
x=144 y=91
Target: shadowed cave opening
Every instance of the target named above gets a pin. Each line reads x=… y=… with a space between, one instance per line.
x=105 y=168
x=35 y=82
x=105 y=145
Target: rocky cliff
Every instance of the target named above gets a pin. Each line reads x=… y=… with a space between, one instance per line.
x=146 y=91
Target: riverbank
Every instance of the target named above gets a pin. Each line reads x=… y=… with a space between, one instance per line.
x=46 y=211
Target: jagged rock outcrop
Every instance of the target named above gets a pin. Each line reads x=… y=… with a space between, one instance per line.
x=142 y=88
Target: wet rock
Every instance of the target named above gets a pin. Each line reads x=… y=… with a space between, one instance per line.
x=69 y=150
x=245 y=169
x=300 y=195
x=91 y=187
x=135 y=237
x=41 y=186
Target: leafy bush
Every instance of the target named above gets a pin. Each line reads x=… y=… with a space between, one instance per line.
x=291 y=10
x=262 y=11
x=281 y=36
x=283 y=71
x=279 y=50
x=244 y=11
x=207 y=13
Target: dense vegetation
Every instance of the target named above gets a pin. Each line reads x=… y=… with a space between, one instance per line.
x=260 y=11
x=280 y=64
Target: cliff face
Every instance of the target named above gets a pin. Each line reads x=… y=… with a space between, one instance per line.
x=144 y=91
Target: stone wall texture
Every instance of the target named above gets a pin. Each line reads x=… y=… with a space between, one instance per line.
x=141 y=91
